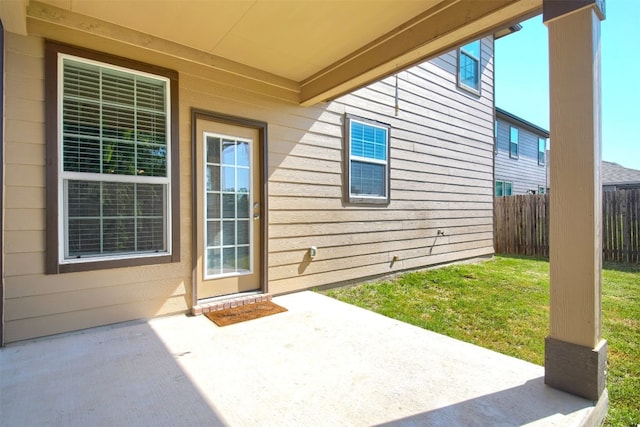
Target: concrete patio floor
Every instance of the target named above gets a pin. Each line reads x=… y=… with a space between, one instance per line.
x=322 y=363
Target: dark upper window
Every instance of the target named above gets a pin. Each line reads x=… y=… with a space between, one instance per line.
x=367 y=161
x=469 y=66
x=113 y=133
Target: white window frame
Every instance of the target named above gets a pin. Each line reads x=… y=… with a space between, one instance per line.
x=478 y=61
x=251 y=142
x=513 y=155
x=366 y=198
x=64 y=177
x=542 y=142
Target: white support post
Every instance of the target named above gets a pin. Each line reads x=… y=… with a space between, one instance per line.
x=575 y=353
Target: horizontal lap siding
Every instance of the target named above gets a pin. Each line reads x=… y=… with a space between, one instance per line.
x=38 y=304
x=441 y=179
x=524 y=172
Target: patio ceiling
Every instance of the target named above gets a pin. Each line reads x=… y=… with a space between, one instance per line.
x=319 y=49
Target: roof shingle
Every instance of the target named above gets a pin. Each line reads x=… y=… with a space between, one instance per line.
x=613 y=173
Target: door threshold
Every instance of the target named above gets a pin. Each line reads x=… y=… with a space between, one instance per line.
x=228 y=301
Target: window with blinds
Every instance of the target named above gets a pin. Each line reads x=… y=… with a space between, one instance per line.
x=114 y=168
x=368 y=161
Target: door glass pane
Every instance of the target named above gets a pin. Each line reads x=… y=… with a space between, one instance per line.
x=243 y=232
x=244 y=260
x=229 y=260
x=228 y=206
x=214 y=233
x=243 y=180
x=213 y=178
x=229 y=152
x=213 y=205
x=228 y=178
x=243 y=154
x=242 y=201
x=213 y=149
x=214 y=261
x=229 y=233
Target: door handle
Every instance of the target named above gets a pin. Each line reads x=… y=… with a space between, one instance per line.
x=256 y=216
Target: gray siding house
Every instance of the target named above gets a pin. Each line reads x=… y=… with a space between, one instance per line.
x=520 y=156
x=617 y=177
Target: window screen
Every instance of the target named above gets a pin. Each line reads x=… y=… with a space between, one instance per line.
x=368 y=162
x=114 y=176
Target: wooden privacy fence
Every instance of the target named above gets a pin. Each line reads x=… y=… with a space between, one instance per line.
x=621 y=225
x=521 y=225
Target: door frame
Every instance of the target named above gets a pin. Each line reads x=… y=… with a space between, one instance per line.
x=261 y=127
x=1 y=184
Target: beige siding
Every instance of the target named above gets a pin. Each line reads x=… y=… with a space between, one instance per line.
x=39 y=304
x=441 y=179
x=441 y=175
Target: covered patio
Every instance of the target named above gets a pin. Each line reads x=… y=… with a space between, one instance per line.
x=323 y=362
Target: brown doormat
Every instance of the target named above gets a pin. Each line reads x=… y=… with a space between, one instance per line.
x=239 y=314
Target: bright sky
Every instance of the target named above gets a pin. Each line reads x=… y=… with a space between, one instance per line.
x=522 y=79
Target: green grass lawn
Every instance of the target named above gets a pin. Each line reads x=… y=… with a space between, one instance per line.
x=503 y=304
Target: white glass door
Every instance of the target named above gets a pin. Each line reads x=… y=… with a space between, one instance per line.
x=228 y=206
x=228 y=209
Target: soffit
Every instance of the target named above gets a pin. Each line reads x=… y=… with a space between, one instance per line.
x=307 y=50
x=289 y=38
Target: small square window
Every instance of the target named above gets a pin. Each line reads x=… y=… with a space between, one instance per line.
x=503 y=188
x=513 y=142
x=469 y=67
x=367 y=161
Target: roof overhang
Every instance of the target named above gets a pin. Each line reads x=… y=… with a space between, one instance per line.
x=506 y=31
x=306 y=52
x=505 y=115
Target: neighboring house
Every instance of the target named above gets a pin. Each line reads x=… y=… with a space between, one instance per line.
x=520 y=156
x=143 y=180
x=617 y=177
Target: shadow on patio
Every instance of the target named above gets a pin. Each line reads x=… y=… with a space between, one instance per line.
x=321 y=363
